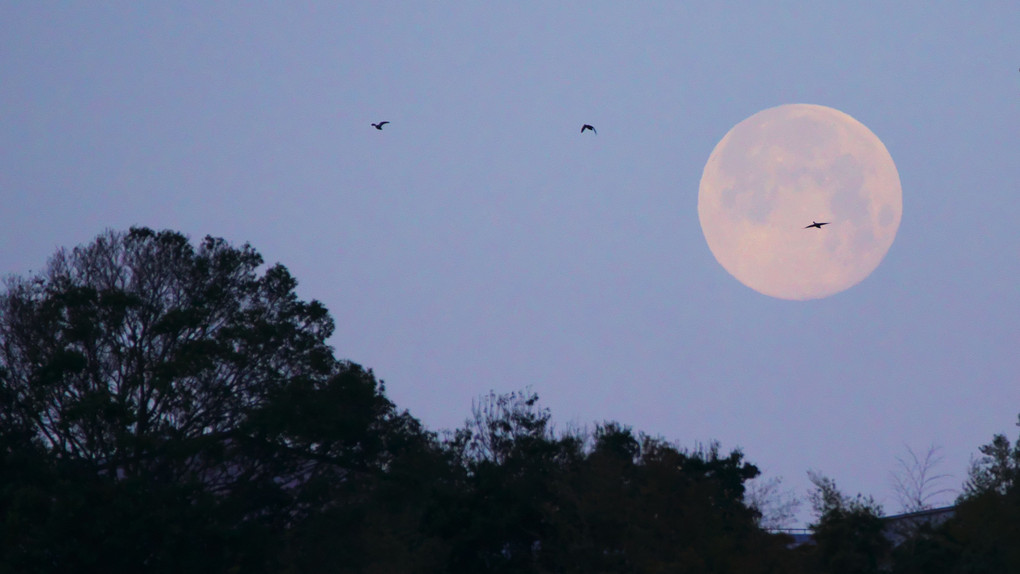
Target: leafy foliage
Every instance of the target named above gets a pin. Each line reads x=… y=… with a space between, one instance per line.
x=172 y=408
x=848 y=531
x=608 y=501
x=997 y=471
x=166 y=407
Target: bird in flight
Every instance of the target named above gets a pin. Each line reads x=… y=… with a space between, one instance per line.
x=818 y=225
x=589 y=127
x=379 y=125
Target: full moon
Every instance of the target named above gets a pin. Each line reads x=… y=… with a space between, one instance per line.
x=783 y=169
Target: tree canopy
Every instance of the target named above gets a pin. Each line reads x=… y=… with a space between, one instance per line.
x=154 y=395
x=170 y=407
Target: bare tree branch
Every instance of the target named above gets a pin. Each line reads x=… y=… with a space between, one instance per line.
x=915 y=480
x=777 y=507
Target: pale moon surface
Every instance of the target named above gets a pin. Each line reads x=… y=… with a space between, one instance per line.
x=783 y=168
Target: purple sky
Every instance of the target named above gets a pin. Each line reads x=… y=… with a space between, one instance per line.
x=481 y=242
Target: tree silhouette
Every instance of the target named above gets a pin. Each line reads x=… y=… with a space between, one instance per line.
x=849 y=530
x=998 y=469
x=173 y=408
x=916 y=482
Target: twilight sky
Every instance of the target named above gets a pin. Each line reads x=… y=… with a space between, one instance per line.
x=481 y=242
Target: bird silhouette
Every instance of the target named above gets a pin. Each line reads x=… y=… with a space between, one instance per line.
x=379 y=125
x=818 y=225
x=589 y=127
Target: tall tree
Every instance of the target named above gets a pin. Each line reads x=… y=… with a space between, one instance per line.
x=998 y=469
x=181 y=405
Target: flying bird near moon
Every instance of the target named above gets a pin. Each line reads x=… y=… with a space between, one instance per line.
x=818 y=225
x=379 y=125
x=589 y=127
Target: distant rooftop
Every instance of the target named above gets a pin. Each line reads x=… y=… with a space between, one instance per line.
x=898 y=527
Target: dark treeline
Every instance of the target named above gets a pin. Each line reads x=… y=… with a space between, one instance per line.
x=172 y=408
